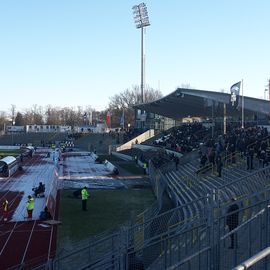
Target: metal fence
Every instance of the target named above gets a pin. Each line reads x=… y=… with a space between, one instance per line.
x=198 y=244
x=213 y=250
x=181 y=239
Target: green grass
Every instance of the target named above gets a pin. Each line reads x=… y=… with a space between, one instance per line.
x=109 y=158
x=107 y=209
x=132 y=168
x=129 y=166
x=4 y=152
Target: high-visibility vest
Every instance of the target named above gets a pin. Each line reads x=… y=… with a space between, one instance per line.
x=84 y=194
x=5 y=206
x=30 y=204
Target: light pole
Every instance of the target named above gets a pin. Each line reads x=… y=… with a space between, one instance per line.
x=141 y=20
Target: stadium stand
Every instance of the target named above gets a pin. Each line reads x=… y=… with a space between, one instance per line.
x=191 y=216
x=98 y=143
x=193 y=234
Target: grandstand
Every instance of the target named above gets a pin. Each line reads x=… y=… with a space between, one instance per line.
x=191 y=233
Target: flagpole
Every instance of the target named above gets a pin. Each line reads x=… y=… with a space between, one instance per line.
x=243 y=104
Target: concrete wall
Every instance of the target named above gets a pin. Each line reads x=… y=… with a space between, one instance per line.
x=141 y=138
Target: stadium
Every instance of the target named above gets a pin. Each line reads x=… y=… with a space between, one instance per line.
x=210 y=179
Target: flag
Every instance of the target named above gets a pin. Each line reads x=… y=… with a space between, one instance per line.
x=85 y=116
x=122 y=120
x=235 y=91
x=108 y=119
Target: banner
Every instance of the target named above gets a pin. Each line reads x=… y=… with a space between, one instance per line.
x=235 y=91
x=108 y=119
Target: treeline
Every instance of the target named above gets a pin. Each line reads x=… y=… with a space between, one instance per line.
x=119 y=105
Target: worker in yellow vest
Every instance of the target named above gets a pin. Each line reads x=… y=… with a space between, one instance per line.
x=85 y=196
x=30 y=206
x=145 y=168
x=5 y=209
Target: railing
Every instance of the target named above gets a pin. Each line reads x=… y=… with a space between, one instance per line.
x=206 y=247
x=94 y=252
x=141 y=138
x=254 y=260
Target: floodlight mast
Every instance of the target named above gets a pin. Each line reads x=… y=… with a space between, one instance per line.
x=141 y=20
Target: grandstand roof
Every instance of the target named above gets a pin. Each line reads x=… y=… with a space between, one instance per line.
x=191 y=102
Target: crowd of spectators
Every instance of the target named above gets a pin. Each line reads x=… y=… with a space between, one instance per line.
x=131 y=134
x=184 y=138
x=250 y=142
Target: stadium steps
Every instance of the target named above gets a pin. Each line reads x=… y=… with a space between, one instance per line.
x=185 y=196
x=257 y=177
x=95 y=141
x=192 y=196
x=178 y=195
x=182 y=245
x=191 y=182
x=229 y=174
x=188 y=195
x=209 y=182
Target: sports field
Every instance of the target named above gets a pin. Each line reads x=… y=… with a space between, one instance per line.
x=107 y=209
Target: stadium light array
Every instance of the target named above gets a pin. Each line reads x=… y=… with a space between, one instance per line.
x=141 y=20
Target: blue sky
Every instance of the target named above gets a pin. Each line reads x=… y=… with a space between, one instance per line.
x=81 y=52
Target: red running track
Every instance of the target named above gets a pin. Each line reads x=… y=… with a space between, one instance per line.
x=26 y=243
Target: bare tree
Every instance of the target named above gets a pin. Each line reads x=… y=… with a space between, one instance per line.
x=34 y=116
x=123 y=103
x=3 y=120
x=130 y=97
x=19 y=121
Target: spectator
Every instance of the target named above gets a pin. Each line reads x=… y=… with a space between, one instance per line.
x=219 y=165
x=39 y=190
x=250 y=154
x=45 y=215
x=176 y=160
x=203 y=160
x=232 y=221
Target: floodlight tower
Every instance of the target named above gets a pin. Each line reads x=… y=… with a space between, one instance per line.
x=141 y=20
